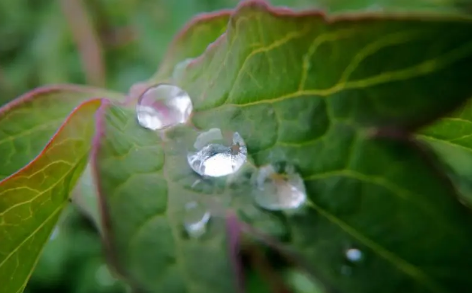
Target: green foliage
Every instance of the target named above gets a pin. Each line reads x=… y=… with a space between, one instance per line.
x=45 y=140
x=73 y=252
x=338 y=97
x=451 y=140
x=32 y=198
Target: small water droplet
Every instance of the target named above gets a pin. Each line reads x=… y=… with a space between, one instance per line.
x=217 y=155
x=163 y=106
x=353 y=255
x=195 y=219
x=276 y=191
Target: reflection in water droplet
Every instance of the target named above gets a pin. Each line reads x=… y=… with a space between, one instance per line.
x=163 y=106
x=195 y=219
x=216 y=154
x=276 y=191
x=353 y=254
x=375 y=7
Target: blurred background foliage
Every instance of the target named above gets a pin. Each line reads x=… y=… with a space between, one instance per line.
x=114 y=44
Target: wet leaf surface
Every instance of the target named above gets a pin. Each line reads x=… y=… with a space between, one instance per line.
x=312 y=92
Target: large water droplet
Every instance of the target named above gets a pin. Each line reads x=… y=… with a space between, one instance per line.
x=163 y=106
x=195 y=219
x=353 y=255
x=279 y=190
x=217 y=154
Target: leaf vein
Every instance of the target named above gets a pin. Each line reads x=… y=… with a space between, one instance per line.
x=404 y=266
x=31 y=235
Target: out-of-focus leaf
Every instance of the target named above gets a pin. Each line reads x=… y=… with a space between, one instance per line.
x=133 y=184
x=96 y=277
x=73 y=252
x=451 y=139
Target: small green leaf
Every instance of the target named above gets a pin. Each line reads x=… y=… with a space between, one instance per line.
x=29 y=122
x=192 y=41
x=451 y=139
x=31 y=199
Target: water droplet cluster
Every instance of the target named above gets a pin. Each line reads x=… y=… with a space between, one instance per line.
x=217 y=153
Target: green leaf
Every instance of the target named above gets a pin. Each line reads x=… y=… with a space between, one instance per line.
x=29 y=122
x=451 y=139
x=346 y=75
x=32 y=198
x=192 y=41
x=150 y=247
x=310 y=91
